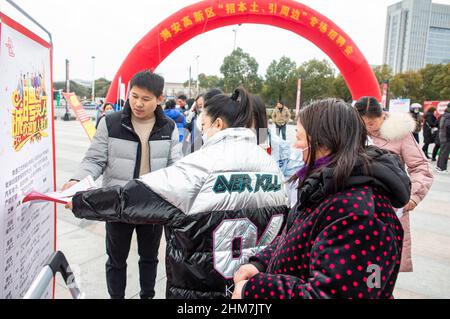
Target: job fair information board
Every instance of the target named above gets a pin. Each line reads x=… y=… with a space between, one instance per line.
x=27 y=157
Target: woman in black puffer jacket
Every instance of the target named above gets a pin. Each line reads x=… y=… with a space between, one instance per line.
x=430 y=133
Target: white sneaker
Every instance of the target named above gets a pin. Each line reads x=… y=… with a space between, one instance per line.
x=440 y=170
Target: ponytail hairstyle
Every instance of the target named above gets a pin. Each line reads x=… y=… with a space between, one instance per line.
x=260 y=120
x=235 y=110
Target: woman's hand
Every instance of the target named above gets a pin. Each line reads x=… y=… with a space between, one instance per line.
x=69 y=206
x=237 y=293
x=245 y=272
x=410 y=206
x=68 y=185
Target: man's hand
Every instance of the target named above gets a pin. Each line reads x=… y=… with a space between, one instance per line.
x=68 y=185
x=237 y=293
x=69 y=206
x=245 y=272
x=410 y=206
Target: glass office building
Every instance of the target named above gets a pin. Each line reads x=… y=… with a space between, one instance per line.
x=417 y=34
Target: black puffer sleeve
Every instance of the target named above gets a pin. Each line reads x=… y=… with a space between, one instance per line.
x=135 y=203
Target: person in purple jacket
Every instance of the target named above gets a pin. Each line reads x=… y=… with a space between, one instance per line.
x=343 y=238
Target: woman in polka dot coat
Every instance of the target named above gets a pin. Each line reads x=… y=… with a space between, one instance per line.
x=343 y=238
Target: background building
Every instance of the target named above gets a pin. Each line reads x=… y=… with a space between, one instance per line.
x=172 y=90
x=417 y=34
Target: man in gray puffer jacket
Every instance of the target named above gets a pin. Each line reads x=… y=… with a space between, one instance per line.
x=128 y=144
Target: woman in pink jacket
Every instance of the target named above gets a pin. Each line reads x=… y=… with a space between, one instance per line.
x=393 y=132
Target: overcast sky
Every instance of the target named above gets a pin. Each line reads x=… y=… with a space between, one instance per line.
x=108 y=29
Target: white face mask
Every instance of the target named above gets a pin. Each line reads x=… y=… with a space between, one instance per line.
x=302 y=151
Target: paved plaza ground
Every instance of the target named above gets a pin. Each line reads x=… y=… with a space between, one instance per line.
x=83 y=242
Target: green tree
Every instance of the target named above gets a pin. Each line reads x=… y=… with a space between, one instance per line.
x=442 y=82
x=206 y=82
x=101 y=87
x=434 y=81
x=79 y=90
x=383 y=73
x=240 y=69
x=210 y=81
x=317 y=80
x=281 y=81
x=193 y=83
x=341 y=90
x=408 y=85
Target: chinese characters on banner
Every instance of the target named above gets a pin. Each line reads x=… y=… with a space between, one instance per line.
x=27 y=232
x=292 y=12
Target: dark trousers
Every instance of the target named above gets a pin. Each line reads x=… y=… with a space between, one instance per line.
x=118 y=241
x=281 y=129
x=435 y=150
x=443 y=156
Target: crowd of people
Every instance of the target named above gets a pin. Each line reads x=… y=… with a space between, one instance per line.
x=245 y=214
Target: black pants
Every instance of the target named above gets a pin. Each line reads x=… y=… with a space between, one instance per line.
x=443 y=156
x=435 y=150
x=118 y=241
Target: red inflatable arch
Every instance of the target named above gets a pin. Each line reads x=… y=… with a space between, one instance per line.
x=286 y=14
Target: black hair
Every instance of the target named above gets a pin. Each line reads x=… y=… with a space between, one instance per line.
x=182 y=97
x=148 y=80
x=106 y=104
x=190 y=102
x=212 y=93
x=235 y=110
x=260 y=119
x=369 y=106
x=431 y=110
x=198 y=97
x=194 y=106
x=336 y=126
x=171 y=104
